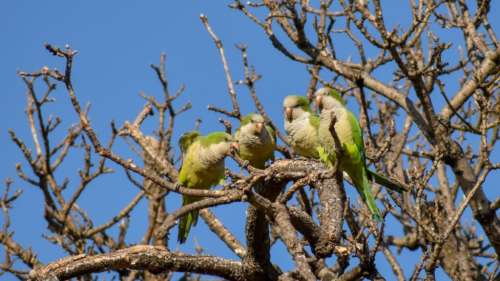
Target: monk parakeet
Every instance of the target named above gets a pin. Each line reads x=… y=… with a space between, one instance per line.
x=352 y=160
x=301 y=125
x=372 y=175
x=202 y=167
x=256 y=140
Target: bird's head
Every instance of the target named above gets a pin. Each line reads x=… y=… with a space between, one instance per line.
x=295 y=106
x=253 y=123
x=328 y=98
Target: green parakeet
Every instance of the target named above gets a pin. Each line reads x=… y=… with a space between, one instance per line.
x=352 y=160
x=301 y=125
x=372 y=175
x=202 y=167
x=256 y=140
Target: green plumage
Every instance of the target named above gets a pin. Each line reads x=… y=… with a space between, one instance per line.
x=352 y=161
x=314 y=120
x=303 y=102
x=214 y=138
x=187 y=139
x=202 y=168
x=386 y=182
x=336 y=95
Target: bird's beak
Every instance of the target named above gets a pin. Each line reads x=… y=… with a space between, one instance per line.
x=258 y=128
x=288 y=113
x=319 y=102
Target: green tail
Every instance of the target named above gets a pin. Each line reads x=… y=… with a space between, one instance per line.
x=386 y=182
x=364 y=189
x=187 y=220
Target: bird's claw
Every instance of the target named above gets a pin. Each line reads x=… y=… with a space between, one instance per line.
x=177 y=186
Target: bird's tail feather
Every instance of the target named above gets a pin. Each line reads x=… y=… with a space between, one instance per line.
x=370 y=201
x=386 y=182
x=187 y=220
x=364 y=189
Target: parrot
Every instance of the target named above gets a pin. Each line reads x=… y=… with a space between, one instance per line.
x=256 y=140
x=352 y=160
x=372 y=175
x=301 y=125
x=202 y=167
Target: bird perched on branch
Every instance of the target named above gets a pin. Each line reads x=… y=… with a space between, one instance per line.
x=202 y=168
x=372 y=175
x=352 y=152
x=301 y=125
x=256 y=140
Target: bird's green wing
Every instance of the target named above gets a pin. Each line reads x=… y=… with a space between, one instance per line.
x=360 y=175
x=358 y=139
x=357 y=135
x=325 y=157
x=314 y=120
x=187 y=221
x=185 y=178
x=271 y=132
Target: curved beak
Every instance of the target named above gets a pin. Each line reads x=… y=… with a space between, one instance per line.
x=258 y=127
x=319 y=102
x=288 y=113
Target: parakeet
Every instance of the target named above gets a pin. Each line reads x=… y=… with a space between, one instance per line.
x=202 y=167
x=352 y=160
x=301 y=125
x=256 y=140
x=372 y=175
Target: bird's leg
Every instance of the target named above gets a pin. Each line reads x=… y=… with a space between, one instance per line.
x=177 y=186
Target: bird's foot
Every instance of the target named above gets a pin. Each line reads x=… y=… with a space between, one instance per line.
x=177 y=186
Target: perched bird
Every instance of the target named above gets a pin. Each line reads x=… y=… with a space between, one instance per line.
x=256 y=140
x=301 y=125
x=202 y=167
x=352 y=159
x=372 y=175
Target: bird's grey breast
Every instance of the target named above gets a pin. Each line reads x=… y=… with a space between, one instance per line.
x=250 y=139
x=300 y=130
x=342 y=127
x=213 y=154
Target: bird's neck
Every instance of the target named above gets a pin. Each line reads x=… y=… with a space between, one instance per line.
x=299 y=125
x=304 y=117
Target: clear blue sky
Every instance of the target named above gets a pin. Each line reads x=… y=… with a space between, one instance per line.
x=117 y=40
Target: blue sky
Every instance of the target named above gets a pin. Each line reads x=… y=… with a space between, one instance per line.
x=117 y=41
